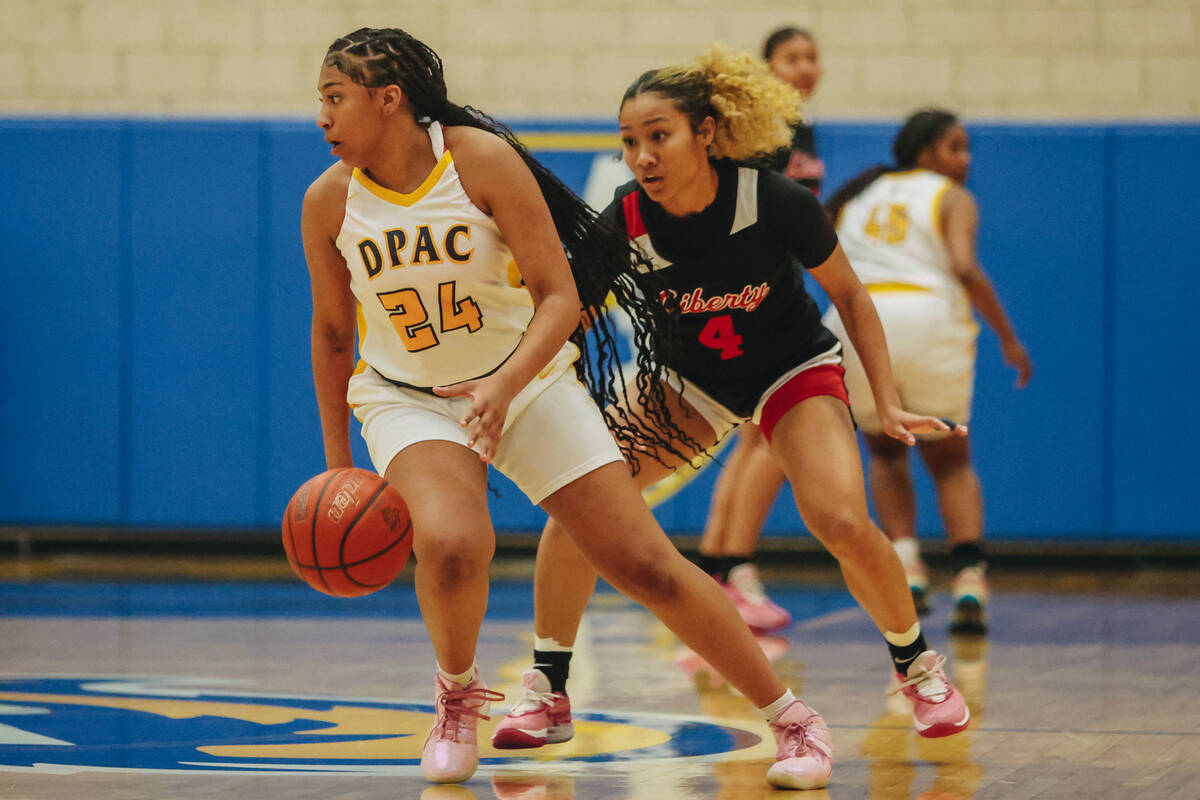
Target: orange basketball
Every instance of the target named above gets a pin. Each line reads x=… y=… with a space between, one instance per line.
x=347 y=532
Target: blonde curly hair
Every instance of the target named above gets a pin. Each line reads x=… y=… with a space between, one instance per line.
x=754 y=111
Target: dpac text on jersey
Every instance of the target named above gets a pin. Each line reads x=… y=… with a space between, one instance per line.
x=694 y=302
x=425 y=250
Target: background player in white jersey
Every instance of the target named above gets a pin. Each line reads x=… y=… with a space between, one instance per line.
x=909 y=231
x=729 y=240
x=423 y=225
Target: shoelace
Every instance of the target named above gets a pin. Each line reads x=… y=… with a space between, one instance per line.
x=532 y=700
x=452 y=707
x=798 y=739
x=929 y=683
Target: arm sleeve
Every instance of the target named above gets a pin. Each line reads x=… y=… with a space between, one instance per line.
x=798 y=219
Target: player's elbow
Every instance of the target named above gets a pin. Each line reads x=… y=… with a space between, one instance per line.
x=332 y=335
x=965 y=270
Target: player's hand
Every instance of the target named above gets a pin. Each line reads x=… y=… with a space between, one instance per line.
x=901 y=425
x=1016 y=357
x=484 y=421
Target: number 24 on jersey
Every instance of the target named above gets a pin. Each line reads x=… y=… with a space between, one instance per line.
x=411 y=320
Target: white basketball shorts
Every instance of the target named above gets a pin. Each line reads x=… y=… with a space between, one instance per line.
x=932 y=346
x=552 y=435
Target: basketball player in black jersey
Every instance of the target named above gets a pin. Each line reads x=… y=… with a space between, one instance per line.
x=750 y=477
x=726 y=239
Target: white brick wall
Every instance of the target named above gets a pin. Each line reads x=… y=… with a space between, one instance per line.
x=983 y=58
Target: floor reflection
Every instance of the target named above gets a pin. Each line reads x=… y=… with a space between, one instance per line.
x=518 y=786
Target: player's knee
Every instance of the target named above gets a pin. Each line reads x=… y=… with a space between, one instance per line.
x=845 y=533
x=454 y=558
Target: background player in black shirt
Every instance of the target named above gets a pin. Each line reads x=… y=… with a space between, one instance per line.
x=793 y=57
x=725 y=239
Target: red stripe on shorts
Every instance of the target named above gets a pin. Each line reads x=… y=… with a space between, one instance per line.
x=823 y=379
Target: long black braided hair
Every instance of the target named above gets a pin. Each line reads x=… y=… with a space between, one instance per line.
x=603 y=259
x=921 y=129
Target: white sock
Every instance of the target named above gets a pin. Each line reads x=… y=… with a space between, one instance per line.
x=908 y=548
x=461 y=679
x=772 y=711
x=903 y=639
x=550 y=645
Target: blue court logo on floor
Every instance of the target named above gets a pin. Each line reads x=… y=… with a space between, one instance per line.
x=57 y=724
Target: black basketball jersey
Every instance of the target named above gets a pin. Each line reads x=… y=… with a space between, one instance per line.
x=800 y=161
x=746 y=318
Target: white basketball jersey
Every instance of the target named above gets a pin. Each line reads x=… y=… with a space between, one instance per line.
x=440 y=298
x=892 y=232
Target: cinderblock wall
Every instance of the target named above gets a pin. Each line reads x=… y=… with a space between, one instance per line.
x=1057 y=59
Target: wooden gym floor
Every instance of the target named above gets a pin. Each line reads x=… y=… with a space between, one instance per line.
x=188 y=676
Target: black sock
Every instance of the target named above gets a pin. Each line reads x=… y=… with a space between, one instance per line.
x=735 y=561
x=711 y=565
x=903 y=657
x=967 y=554
x=555 y=665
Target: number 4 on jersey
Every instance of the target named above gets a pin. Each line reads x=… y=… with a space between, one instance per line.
x=718 y=333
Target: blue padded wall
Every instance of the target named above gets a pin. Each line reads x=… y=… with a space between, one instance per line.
x=156 y=325
x=195 y=328
x=61 y=321
x=1151 y=434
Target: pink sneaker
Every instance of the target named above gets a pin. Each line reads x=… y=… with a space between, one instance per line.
x=539 y=717
x=451 y=751
x=804 y=759
x=750 y=599
x=937 y=707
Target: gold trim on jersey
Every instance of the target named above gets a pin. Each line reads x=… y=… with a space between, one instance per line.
x=400 y=198
x=892 y=286
x=362 y=334
x=936 y=211
x=514 y=275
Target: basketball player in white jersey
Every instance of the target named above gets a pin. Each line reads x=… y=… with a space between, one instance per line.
x=447 y=245
x=909 y=232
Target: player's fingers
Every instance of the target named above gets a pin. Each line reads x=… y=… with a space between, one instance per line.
x=454 y=389
x=485 y=445
x=954 y=427
x=901 y=433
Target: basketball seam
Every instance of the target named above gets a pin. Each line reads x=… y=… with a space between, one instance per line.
x=346 y=534
x=361 y=561
x=316 y=512
x=377 y=553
